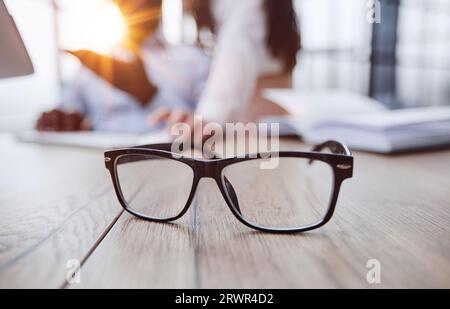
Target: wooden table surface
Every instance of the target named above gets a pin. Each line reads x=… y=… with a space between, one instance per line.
x=57 y=205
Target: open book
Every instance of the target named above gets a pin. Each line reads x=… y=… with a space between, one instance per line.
x=362 y=123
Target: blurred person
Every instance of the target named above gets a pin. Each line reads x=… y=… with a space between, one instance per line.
x=117 y=93
x=255 y=46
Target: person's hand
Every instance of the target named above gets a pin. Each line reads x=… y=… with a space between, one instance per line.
x=171 y=117
x=60 y=121
x=181 y=124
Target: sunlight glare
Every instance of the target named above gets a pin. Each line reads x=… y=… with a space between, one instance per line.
x=104 y=29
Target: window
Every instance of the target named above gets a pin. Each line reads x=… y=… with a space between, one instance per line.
x=336 y=45
x=423 y=49
x=402 y=62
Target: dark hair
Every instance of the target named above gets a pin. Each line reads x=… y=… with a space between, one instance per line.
x=283 y=35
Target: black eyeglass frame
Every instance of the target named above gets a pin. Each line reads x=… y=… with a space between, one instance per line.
x=340 y=160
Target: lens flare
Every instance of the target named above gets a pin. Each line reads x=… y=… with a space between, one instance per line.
x=105 y=29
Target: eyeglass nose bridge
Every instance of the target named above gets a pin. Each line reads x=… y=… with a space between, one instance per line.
x=207 y=169
x=212 y=170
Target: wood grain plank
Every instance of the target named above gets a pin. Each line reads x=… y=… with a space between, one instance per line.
x=139 y=254
x=55 y=203
x=395 y=210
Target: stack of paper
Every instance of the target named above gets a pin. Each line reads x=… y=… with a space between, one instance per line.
x=387 y=132
x=362 y=123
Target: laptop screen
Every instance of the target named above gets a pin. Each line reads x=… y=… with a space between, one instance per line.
x=14 y=59
x=26 y=95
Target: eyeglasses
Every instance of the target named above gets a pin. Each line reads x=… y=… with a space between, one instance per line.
x=299 y=195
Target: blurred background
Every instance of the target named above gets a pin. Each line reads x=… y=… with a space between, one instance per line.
x=403 y=61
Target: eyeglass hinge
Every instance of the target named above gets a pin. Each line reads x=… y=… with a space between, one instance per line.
x=107 y=160
x=344 y=166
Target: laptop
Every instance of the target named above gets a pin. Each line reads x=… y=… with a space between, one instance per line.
x=94 y=140
x=14 y=58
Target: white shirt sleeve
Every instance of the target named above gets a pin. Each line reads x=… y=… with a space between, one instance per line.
x=72 y=99
x=237 y=59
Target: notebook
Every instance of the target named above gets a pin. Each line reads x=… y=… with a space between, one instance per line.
x=362 y=123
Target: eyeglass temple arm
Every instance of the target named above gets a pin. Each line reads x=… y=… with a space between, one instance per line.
x=233 y=195
x=334 y=146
